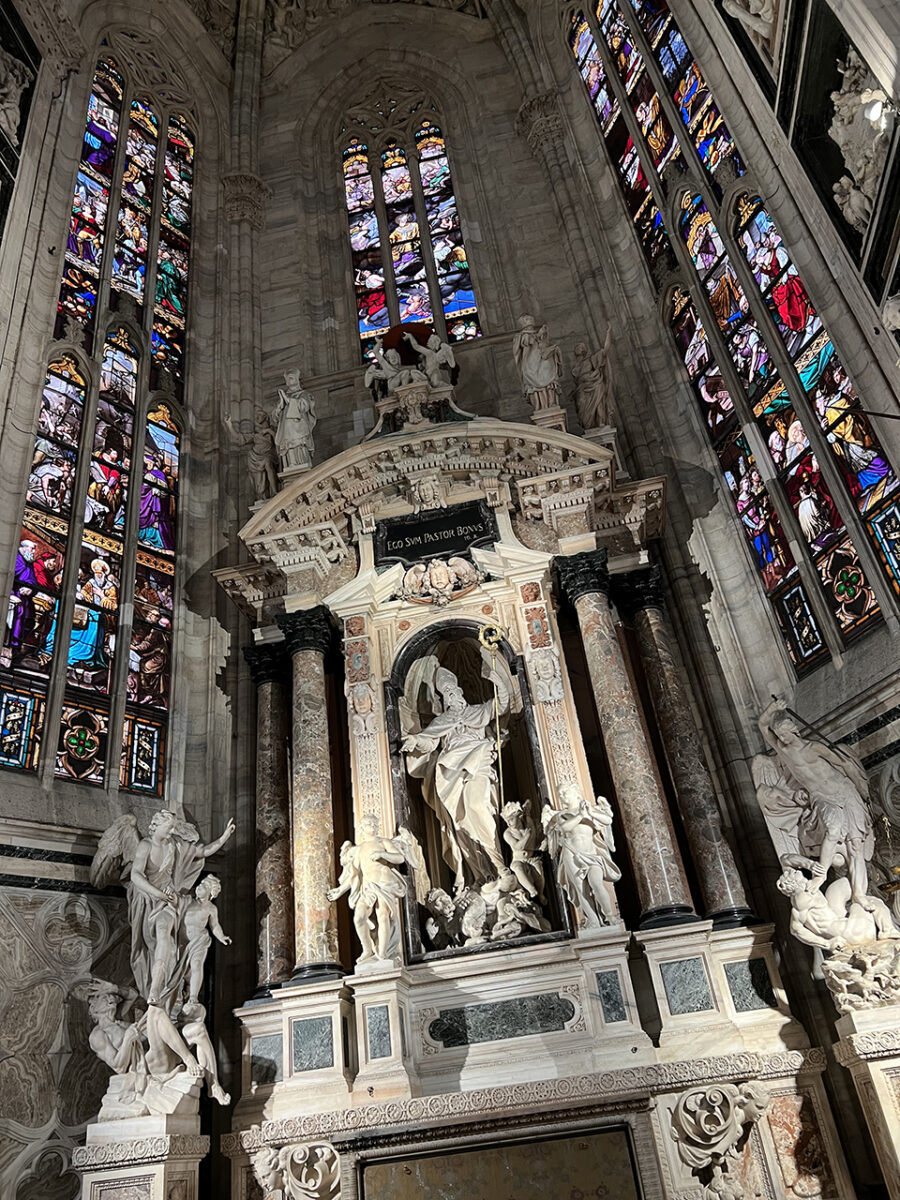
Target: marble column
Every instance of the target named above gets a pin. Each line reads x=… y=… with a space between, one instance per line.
x=274 y=884
x=309 y=635
x=638 y=597
x=662 y=888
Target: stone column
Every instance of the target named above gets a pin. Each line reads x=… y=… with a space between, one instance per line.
x=638 y=596
x=309 y=635
x=662 y=887
x=274 y=883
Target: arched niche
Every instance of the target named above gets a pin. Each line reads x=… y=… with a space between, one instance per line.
x=412 y=700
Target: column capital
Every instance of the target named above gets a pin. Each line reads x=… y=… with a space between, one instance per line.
x=267 y=662
x=635 y=590
x=308 y=629
x=583 y=574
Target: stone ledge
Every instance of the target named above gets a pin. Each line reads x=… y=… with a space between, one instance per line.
x=164 y=1148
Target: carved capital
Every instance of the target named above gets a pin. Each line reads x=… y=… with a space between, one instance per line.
x=267 y=662
x=311 y=629
x=634 y=590
x=245 y=198
x=583 y=574
x=540 y=122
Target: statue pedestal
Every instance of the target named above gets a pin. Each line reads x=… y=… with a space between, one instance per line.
x=549 y=418
x=144 y=1158
x=869 y=1048
x=606 y=435
x=382 y=1007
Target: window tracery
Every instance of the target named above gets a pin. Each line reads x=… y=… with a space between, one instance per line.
x=408 y=255
x=100 y=518
x=809 y=482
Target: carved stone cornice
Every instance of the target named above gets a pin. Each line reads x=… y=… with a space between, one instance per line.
x=160 y=1148
x=309 y=629
x=539 y=121
x=61 y=45
x=252 y=587
x=878 y=1043
x=584 y=574
x=245 y=198
x=634 y=590
x=604 y=1087
x=268 y=662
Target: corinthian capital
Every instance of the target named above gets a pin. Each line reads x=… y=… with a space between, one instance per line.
x=539 y=121
x=245 y=198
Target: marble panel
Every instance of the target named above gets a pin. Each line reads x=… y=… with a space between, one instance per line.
x=312 y=1044
x=378 y=1027
x=123 y=1189
x=612 y=1002
x=687 y=988
x=498 y=1020
x=750 y=985
x=266 y=1058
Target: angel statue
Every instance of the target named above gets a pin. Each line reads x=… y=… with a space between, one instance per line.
x=170 y=935
x=579 y=838
x=818 y=794
x=369 y=873
x=435 y=355
x=454 y=757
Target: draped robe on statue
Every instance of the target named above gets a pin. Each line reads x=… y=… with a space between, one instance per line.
x=454 y=759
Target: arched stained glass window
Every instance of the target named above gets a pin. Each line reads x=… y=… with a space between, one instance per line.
x=798 y=458
x=99 y=525
x=409 y=260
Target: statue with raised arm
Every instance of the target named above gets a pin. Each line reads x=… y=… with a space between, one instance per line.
x=454 y=756
x=579 y=837
x=436 y=356
x=828 y=790
x=295 y=420
x=592 y=384
x=262 y=459
x=369 y=874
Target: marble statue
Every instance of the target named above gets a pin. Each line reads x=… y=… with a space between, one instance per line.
x=820 y=797
x=437 y=358
x=388 y=372
x=454 y=758
x=15 y=76
x=369 y=874
x=757 y=17
x=521 y=837
x=862 y=127
x=546 y=675
x=579 y=837
x=295 y=420
x=539 y=364
x=115 y=1041
x=828 y=918
x=439 y=581
x=592 y=384
x=510 y=910
x=171 y=932
x=262 y=460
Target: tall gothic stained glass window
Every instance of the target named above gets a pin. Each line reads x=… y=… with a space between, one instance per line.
x=808 y=480
x=408 y=256
x=85 y=677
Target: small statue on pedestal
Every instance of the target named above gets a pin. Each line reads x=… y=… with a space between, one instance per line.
x=262 y=461
x=171 y=932
x=387 y=372
x=539 y=364
x=437 y=358
x=579 y=838
x=592 y=384
x=295 y=420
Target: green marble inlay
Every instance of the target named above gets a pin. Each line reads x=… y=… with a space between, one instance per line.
x=502 y=1019
x=378 y=1024
x=312 y=1043
x=266 y=1055
x=687 y=989
x=750 y=985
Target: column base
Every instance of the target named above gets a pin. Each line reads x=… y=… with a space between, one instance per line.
x=313 y=973
x=734 y=918
x=670 y=914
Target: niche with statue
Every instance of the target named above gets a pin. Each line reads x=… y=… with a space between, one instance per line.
x=470 y=786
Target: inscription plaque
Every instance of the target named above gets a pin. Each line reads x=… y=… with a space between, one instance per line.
x=437 y=533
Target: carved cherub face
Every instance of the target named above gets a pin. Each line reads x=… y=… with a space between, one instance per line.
x=569 y=797
x=368 y=826
x=362 y=699
x=545 y=667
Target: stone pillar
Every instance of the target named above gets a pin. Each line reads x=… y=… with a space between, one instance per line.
x=274 y=884
x=308 y=635
x=638 y=596
x=662 y=888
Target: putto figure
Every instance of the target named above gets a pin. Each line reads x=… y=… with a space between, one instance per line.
x=437 y=358
x=579 y=837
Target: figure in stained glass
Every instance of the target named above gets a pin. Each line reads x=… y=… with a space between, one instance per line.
x=714 y=394
x=85 y=238
x=171 y=279
x=52 y=477
x=691 y=94
x=32 y=606
x=93 y=624
x=808 y=493
x=100 y=134
x=156 y=519
x=148 y=675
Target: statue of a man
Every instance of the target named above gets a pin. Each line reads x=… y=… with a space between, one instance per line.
x=435 y=356
x=829 y=919
x=592 y=384
x=831 y=784
x=539 y=364
x=262 y=460
x=369 y=874
x=579 y=838
x=454 y=757
x=295 y=420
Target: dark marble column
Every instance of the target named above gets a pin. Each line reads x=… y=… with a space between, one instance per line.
x=274 y=883
x=638 y=597
x=309 y=635
x=662 y=887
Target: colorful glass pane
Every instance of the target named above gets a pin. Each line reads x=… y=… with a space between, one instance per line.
x=404 y=236
x=885 y=528
x=172 y=259
x=365 y=242
x=178 y=178
x=81 y=751
x=141 y=769
x=21 y=718
x=130 y=256
x=102 y=126
x=639 y=199
x=78 y=295
x=84 y=244
x=844 y=582
x=156 y=523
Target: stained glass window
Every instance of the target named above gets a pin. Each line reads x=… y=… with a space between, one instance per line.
x=402 y=212
x=93 y=532
x=798 y=457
